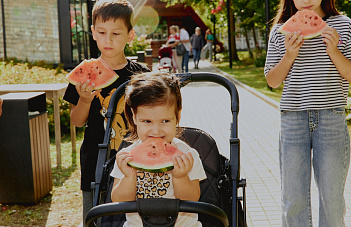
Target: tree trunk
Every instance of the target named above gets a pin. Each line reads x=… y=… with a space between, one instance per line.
x=232 y=38
x=248 y=43
x=257 y=45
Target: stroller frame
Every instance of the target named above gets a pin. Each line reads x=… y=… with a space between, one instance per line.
x=101 y=175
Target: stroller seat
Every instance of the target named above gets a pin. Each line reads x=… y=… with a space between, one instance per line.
x=165 y=62
x=165 y=59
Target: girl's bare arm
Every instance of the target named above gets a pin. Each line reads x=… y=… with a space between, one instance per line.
x=278 y=73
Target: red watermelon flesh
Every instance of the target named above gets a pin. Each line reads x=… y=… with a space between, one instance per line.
x=95 y=70
x=308 y=22
x=154 y=155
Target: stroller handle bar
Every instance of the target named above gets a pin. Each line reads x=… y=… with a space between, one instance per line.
x=132 y=207
x=186 y=77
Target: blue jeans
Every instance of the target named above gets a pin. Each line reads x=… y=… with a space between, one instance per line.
x=205 y=49
x=319 y=138
x=196 y=55
x=185 y=62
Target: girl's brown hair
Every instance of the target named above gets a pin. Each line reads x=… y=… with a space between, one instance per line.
x=151 y=89
x=287 y=8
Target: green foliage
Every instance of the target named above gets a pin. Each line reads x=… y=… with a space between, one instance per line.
x=139 y=43
x=260 y=58
x=64 y=118
x=260 y=61
x=344 y=6
x=42 y=63
x=14 y=71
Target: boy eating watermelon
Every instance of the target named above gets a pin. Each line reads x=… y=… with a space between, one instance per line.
x=112 y=30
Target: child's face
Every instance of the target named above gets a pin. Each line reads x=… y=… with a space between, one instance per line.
x=172 y=31
x=156 y=121
x=111 y=37
x=310 y=4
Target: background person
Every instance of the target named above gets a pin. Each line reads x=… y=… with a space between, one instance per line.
x=313 y=124
x=172 y=41
x=184 y=38
x=209 y=45
x=196 y=44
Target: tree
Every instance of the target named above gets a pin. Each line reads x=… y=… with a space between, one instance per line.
x=344 y=6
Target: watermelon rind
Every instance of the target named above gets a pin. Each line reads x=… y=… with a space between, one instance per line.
x=305 y=37
x=165 y=167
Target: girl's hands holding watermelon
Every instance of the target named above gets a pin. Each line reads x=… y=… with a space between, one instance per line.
x=293 y=42
x=86 y=92
x=122 y=159
x=331 y=39
x=182 y=165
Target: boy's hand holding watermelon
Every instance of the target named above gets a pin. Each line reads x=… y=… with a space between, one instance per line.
x=86 y=92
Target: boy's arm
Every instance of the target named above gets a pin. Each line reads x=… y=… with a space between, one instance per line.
x=80 y=112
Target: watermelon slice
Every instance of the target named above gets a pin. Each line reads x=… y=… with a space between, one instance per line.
x=95 y=70
x=154 y=155
x=308 y=22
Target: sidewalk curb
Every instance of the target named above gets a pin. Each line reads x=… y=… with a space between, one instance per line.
x=263 y=97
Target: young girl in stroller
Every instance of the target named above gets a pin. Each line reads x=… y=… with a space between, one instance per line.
x=153 y=109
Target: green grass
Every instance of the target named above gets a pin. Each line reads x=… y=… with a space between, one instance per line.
x=252 y=76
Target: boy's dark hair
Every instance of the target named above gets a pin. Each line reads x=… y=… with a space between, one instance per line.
x=151 y=89
x=113 y=9
x=287 y=8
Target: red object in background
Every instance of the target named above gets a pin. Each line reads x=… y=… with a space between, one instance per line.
x=218 y=8
x=73 y=23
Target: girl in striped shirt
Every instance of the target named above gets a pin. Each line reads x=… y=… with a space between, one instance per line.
x=316 y=75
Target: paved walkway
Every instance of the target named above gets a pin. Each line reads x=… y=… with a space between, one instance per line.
x=207 y=106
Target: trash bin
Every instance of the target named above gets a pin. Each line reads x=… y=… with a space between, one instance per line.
x=25 y=167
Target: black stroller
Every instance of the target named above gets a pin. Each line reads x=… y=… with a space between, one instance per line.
x=219 y=204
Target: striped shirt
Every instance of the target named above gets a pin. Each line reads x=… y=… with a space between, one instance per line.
x=313 y=81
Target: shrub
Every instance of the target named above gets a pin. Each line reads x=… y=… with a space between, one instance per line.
x=260 y=58
x=64 y=118
x=260 y=61
x=137 y=44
